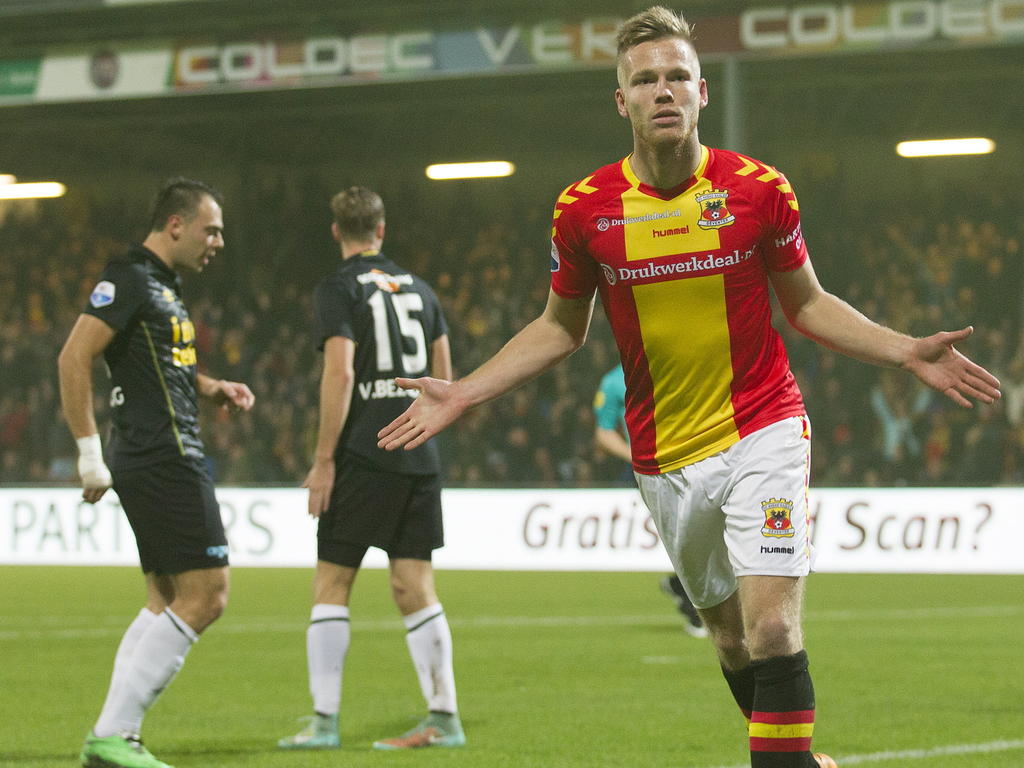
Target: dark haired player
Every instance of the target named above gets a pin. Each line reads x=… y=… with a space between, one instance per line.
x=136 y=319
x=374 y=321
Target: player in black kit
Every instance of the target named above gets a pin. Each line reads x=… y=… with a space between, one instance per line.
x=136 y=319
x=375 y=321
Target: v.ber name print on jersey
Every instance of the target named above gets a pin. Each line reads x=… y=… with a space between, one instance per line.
x=393 y=317
x=683 y=276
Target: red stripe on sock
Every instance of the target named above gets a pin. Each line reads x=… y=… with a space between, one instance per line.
x=784 y=718
x=758 y=744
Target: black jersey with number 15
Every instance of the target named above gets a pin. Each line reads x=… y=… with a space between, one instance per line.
x=393 y=317
x=152 y=361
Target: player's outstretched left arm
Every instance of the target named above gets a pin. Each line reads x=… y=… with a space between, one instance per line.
x=832 y=322
x=557 y=333
x=229 y=395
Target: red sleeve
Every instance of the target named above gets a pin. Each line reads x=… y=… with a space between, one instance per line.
x=783 y=242
x=573 y=271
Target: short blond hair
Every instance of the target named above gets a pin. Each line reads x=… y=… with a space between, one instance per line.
x=655 y=23
x=357 y=212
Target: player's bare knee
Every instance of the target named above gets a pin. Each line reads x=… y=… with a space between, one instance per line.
x=731 y=647
x=399 y=586
x=216 y=603
x=411 y=597
x=407 y=597
x=772 y=636
x=206 y=609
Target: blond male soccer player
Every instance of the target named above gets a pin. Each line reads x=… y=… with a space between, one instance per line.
x=375 y=320
x=683 y=243
x=136 y=319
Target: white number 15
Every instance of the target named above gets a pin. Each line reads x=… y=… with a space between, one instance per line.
x=410 y=328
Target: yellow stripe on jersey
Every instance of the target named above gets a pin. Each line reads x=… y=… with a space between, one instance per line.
x=665 y=227
x=685 y=334
x=659 y=227
x=781 y=731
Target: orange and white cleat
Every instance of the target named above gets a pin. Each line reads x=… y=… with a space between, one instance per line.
x=440 y=729
x=824 y=761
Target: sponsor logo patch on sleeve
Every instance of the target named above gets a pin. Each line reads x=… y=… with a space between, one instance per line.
x=556 y=260
x=103 y=294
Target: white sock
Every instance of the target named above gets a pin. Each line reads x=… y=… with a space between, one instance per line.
x=430 y=644
x=123 y=658
x=327 y=642
x=158 y=655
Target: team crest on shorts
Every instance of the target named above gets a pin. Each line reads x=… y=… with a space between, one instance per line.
x=778 y=514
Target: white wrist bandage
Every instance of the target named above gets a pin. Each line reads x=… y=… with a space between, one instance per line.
x=91 y=467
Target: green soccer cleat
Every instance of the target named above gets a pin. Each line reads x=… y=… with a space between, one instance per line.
x=320 y=733
x=117 y=752
x=439 y=729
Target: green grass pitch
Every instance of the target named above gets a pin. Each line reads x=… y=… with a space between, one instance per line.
x=553 y=670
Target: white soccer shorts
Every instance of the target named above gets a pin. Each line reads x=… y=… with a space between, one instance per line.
x=741 y=512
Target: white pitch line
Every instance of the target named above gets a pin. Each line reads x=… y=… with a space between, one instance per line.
x=57 y=627
x=920 y=754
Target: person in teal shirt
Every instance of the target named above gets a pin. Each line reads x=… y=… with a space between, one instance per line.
x=610 y=435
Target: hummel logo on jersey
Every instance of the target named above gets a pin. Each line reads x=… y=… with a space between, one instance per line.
x=670 y=232
x=103 y=294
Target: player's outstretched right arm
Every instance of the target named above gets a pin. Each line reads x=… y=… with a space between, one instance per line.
x=552 y=337
x=89 y=337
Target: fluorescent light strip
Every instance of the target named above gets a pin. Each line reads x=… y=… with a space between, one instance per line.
x=7 y=178
x=944 y=147
x=32 y=190
x=492 y=169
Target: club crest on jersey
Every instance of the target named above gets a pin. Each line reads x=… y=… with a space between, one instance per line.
x=713 y=210
x=103 y=294
x=778 y=518
x=384 y=281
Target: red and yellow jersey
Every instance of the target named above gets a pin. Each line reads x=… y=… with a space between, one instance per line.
x=683 y=276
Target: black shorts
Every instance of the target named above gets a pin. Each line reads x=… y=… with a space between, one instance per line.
x=400 y=514
x=174 y=513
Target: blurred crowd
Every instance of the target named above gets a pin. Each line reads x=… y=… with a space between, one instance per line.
x=252 y=311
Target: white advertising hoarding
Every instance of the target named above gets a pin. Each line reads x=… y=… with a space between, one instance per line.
x=916 y=530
